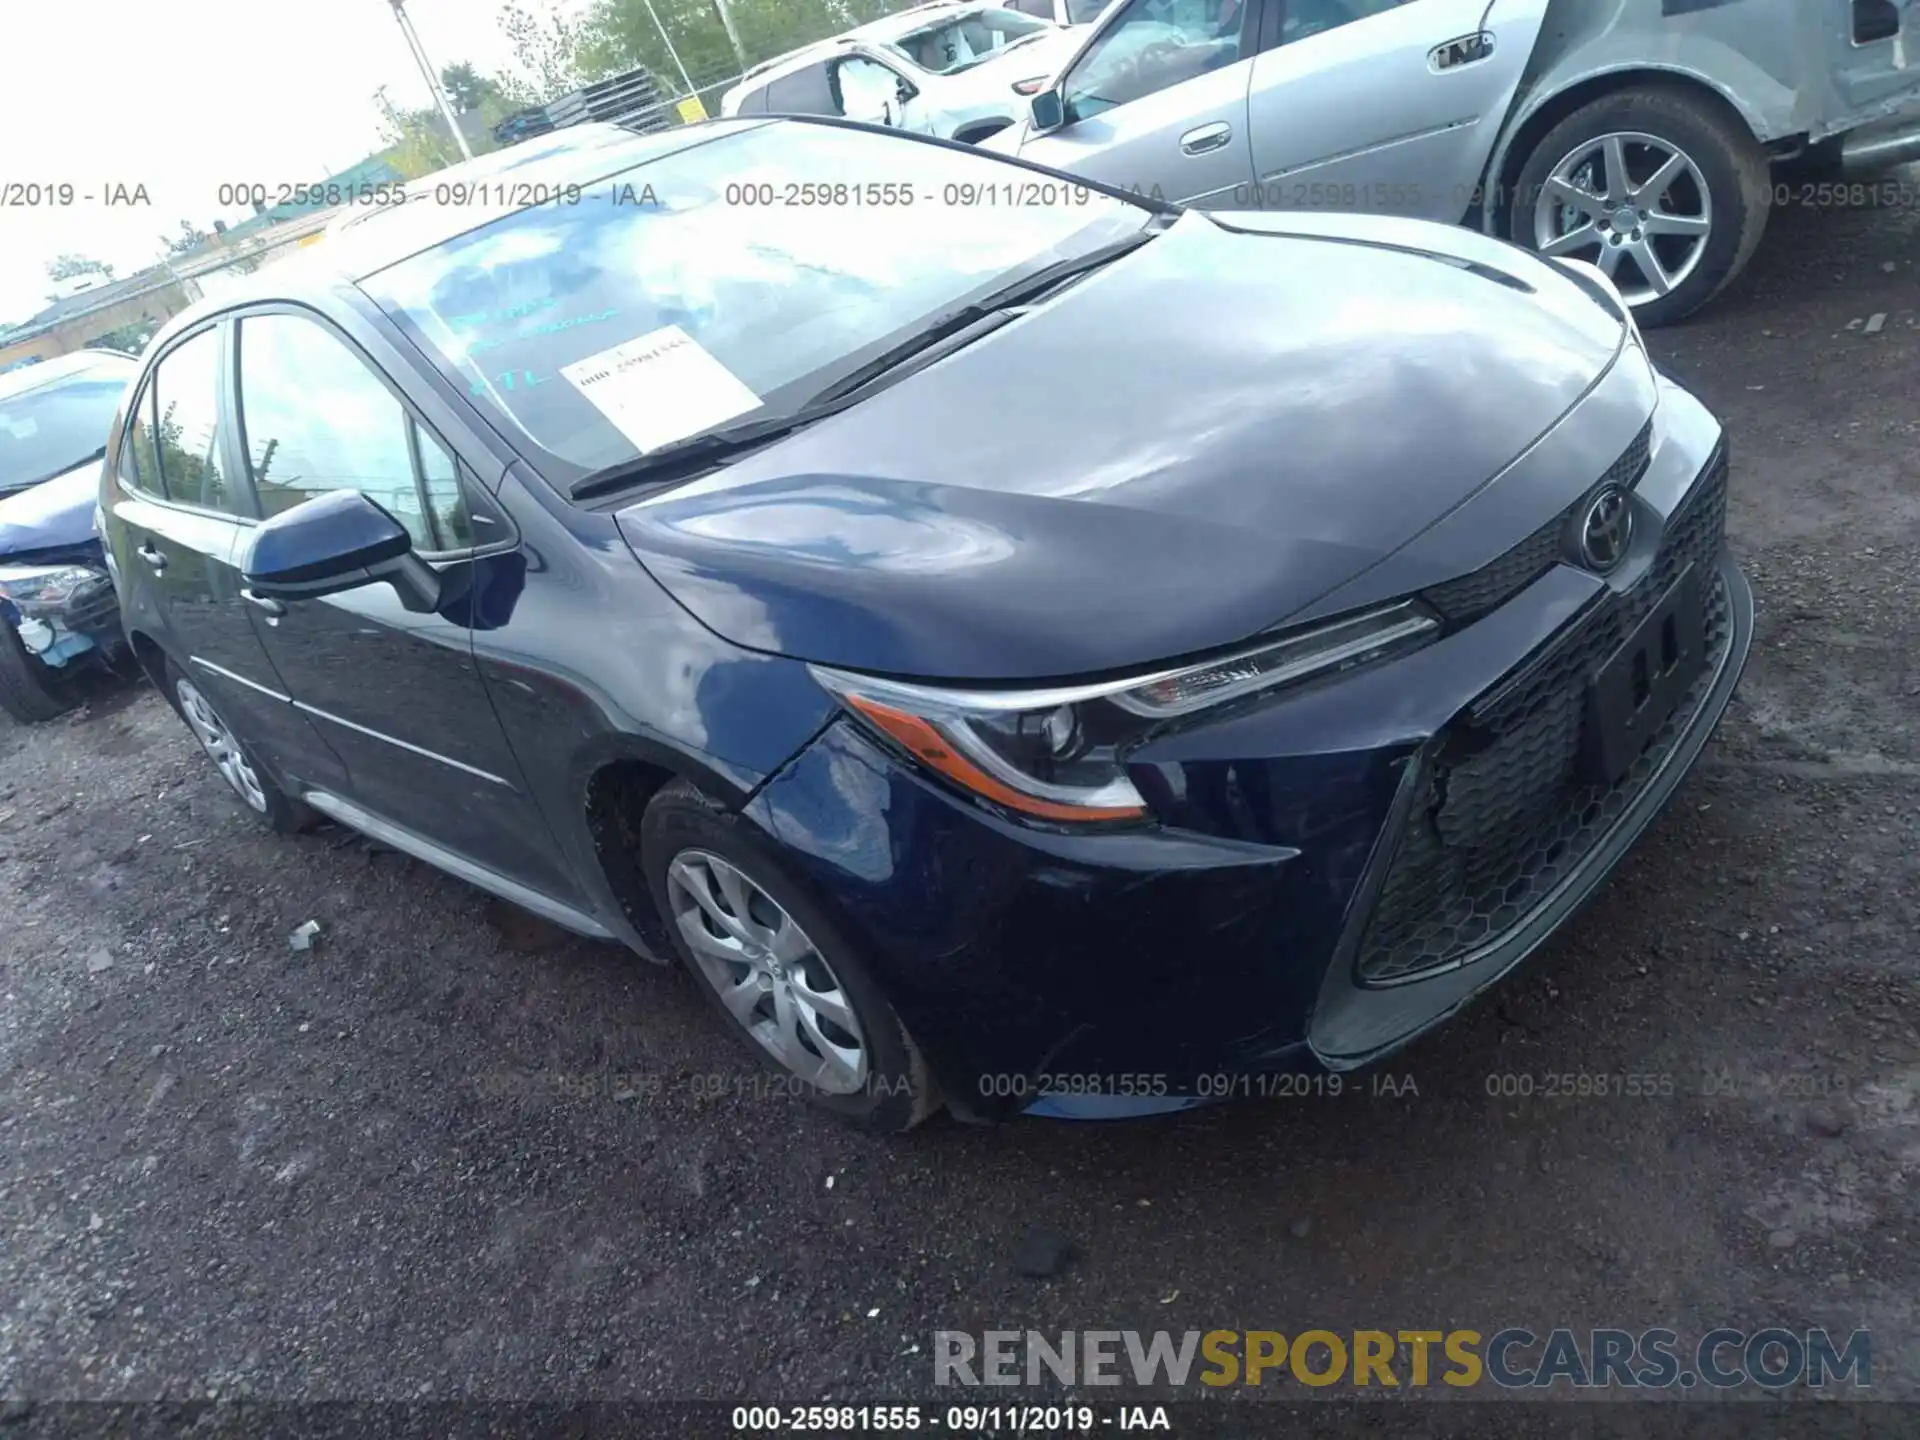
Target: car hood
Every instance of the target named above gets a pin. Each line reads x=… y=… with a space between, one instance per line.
x=53 y=514
x=1177 y=453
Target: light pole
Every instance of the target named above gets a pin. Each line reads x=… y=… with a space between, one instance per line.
x=426 y=73
x=733 y=35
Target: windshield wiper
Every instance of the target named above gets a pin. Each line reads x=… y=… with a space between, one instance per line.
x=685 y=459
x=99 y=454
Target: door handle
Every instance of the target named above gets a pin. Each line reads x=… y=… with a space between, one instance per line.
x=266 y=604
x=152 y=556
x=1206 y=137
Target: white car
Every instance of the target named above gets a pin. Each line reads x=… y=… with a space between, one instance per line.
x=958 y=70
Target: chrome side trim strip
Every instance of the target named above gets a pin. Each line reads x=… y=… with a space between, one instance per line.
x=328 y=715
x=351 y=815
x=225 y=673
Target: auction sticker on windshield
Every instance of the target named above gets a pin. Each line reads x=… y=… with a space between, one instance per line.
x=661 y=387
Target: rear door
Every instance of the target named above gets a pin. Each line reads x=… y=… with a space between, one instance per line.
x=1390 y=106
x=396 y=693
x=184 y=517
x=1157 y=102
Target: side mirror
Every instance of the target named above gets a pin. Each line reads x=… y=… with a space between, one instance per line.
x=1049 y=111
x=334 y=542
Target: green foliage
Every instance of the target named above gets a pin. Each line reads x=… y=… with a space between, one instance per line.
x=190 y=238
x=549 y=49
x=468 y=91
x=66 y=267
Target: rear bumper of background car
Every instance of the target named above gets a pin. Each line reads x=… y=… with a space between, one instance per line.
x=1290 y=912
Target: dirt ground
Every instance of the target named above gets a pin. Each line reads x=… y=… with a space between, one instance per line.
x=449 y=1152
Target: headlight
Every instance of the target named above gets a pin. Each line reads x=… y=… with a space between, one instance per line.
x=43 y=585
x=1057 y=754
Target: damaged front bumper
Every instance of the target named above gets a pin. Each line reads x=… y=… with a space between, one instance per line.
x=61 y=611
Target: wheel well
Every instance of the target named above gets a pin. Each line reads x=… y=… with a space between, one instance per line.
x=617 y=796
x=153 y=660
x=1586 y=92
x=974 y=134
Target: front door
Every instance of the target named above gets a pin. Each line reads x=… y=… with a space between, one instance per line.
x=1157 y=103
x=397 y=693
x=1388 y=106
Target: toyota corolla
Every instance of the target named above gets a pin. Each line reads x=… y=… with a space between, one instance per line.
x=1062 y=646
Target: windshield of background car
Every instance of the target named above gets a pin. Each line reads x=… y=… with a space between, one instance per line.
x=53 y=428
x=961 y=42
x=776 y=258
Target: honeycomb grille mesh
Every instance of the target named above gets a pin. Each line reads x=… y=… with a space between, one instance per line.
x=1492 y=585
x=1506 y=816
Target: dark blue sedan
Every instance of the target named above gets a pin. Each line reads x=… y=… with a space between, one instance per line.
x=1010 y=642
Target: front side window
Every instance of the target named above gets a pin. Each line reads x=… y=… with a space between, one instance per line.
x=757 y=292
x=962 y=42
x=186 y=392
x=1085 y=12
x=56 y=427
x=318 y=419
x=1157 y=44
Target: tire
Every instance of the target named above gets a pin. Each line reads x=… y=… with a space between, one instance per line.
x=29 y=687
x=257 y=791
x=1726 y=163
x=686 y=842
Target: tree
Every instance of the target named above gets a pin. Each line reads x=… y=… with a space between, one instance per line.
x=468 y=91
x=68 y=266
x=548 y=49
x=190 y=239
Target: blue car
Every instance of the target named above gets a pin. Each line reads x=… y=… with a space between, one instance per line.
x=58 y=615
x=1012 y=643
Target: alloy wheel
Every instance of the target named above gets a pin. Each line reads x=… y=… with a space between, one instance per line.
x=768 y=974
x=225 y=752
x=1633 y=204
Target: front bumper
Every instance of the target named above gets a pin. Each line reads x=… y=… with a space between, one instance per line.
x=77 y=622
x=1285 y=916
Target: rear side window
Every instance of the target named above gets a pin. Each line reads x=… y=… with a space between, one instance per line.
x=139 y=461
x=804 y=92
x=186 y=394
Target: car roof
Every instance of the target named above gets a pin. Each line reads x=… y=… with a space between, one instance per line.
x=63 y=367
x=383 y=236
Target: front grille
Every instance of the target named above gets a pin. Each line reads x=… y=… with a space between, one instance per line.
x=1493 y=584
x=1506 y=816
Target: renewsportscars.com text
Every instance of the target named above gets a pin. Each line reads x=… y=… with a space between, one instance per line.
x=1512 y=1358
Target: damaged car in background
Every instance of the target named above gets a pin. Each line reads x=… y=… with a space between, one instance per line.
x=1641 y=136
x=950 y=69
x=56 y=593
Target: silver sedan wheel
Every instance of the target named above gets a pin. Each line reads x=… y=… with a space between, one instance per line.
x=768 y=974
x=225 y=752
x=1633 y=204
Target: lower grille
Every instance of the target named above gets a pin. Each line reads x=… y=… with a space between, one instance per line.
x=1507 y=815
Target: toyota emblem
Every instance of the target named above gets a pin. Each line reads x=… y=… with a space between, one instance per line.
x=1606 y=530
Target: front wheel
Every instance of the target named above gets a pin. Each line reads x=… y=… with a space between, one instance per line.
x=1661 y=189
x=776 y=967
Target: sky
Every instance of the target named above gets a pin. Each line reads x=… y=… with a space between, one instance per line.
x=183 y=96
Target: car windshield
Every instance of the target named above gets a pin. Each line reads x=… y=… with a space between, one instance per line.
x=961 y=42
x=730 y=281
x=1085 y=12
x=54 y=427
